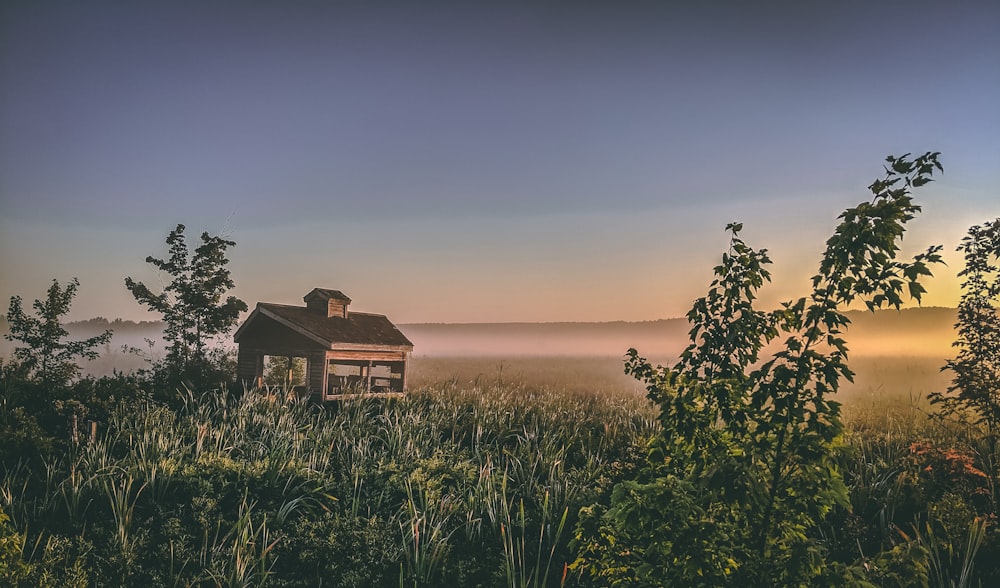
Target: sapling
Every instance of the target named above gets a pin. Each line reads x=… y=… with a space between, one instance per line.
x=743 y=471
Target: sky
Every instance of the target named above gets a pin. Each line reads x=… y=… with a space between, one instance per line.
x=479 y=161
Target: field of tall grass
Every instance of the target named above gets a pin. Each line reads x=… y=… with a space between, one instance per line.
x=470 y=484
x=476 y=478
x=893 y=384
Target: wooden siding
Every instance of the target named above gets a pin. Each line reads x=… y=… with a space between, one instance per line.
x=249 y=366
x=366 y=356
x=316 y=377
x=336 y=308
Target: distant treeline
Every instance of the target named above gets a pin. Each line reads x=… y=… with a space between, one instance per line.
x=100 y=324
x=914 y=331
x=119 y=326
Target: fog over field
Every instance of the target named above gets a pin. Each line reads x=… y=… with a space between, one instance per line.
x=592 y=352
x=896 y=355
x=922 y=332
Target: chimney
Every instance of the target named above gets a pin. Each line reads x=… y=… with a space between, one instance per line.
x=332 y=303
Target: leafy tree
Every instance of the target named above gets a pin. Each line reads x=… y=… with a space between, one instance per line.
x=192 y=303
x=744 y=472
x=45 y=355
x=976 y=368
x=975 y=387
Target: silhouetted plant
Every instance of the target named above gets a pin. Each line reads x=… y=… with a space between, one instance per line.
x=974 y=394
x=743 y=472
x=44 y=353
x=976 y=383
x=192 y=303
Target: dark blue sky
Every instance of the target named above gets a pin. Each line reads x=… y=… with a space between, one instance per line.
x=477 y=161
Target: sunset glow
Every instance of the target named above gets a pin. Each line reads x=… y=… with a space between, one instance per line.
x=486 y=162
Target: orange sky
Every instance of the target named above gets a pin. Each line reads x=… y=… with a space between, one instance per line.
x=479 y=162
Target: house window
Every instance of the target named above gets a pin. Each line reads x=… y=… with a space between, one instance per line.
x=284 y=371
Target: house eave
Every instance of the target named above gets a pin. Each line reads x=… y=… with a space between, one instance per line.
x=239 y=332
x=294 y=326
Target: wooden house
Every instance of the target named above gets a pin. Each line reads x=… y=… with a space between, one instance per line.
x=346 y=352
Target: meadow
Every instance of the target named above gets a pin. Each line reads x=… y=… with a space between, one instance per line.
x=487 y=473
x=476 y=485
x=477 y=477
x=890 y=381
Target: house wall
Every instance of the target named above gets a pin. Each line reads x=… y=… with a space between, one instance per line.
x=266 y=336
x=316 y=372
x=249 y=367
x=331 y=307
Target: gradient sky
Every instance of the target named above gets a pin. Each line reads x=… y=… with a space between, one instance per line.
x=479 y=161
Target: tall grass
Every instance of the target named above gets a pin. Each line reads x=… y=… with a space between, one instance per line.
x=473 y=481
x=480 y=482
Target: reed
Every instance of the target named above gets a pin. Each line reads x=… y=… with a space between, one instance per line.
x=424 y=525
x=212 y=493
x=123 y=502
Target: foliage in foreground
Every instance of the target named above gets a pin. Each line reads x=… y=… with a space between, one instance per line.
x=477 y=486
x=748 y=477
x=474 y=486
x=744 y=472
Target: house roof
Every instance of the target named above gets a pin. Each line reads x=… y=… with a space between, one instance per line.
x=358 y=328
x=326 y=294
